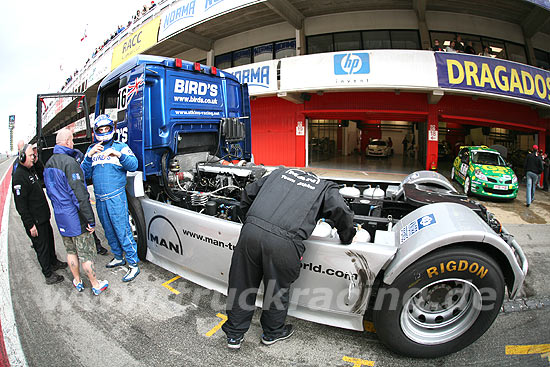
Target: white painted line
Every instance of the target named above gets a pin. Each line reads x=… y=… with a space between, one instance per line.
x=9 y=328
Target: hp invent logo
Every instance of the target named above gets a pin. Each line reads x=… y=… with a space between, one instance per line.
x=351 y=63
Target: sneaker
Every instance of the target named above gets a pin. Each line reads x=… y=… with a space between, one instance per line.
x=59 y=265
x=54 y=279
x=132 y=273
x=235 y=343
x=103 y=285
x=79 y=286
x=115 y=262
x=287 y=333
x=101 y=250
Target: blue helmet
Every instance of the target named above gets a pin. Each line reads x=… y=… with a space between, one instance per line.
x=100 y=121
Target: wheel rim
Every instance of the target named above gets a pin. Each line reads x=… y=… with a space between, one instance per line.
x=467 y=185
x=133 y=226
x=441 y=311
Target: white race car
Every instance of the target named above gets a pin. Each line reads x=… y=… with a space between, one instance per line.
x=378 y=148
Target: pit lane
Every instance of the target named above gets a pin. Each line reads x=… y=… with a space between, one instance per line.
x=146 y=323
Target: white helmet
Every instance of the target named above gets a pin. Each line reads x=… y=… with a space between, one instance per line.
x=101 y=121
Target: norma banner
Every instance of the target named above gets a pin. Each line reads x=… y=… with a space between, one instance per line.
x=186 y=13
x=395 y=69
x=261 y=77
x=484 y=74
x=135 y=43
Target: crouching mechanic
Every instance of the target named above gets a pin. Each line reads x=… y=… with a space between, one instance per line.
x=74 y=216
x=281 y=211
x=107 y=162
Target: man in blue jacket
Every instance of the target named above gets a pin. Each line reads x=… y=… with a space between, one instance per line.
x=107 y=162
x=74 y=216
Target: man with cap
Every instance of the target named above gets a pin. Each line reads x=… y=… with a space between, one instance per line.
x=32 y=206
x=106 y=163
x=533 y=167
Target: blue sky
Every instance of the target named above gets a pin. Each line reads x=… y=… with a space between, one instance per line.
x=36 y=38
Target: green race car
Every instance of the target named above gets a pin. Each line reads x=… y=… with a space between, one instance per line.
x=482 y=171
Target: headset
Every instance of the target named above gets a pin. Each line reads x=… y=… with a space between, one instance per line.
x=22 y=154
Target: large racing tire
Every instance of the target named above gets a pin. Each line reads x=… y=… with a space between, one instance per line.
x=137 y=223
x=445 y=301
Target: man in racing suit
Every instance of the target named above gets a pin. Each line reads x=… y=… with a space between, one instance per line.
x=281 y=211
x=107 y=162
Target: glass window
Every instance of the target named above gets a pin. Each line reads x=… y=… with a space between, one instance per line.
x=444 y=38
x=319 y=44
x=285 y=49
x=543 y=59
x=476 y=43
x=516 y=52
x=242 y=57
x=263 y=52
x=373 y=40
x=223 y=61
x=346 y=41
x=407 y=40
x=496 y=47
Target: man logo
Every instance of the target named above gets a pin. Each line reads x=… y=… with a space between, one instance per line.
x=351 y=63
x=162 y=233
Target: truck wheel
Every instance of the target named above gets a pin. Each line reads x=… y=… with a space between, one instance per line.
x=137 y=223
x=445 y=301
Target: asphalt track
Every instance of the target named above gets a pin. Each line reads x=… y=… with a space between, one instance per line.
x=162 y=320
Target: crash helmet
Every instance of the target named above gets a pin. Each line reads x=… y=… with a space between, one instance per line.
x=101 y=121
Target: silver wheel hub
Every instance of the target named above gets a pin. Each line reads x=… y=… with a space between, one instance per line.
x=441 y=311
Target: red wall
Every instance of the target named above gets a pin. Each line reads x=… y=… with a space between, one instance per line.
x=274 y=120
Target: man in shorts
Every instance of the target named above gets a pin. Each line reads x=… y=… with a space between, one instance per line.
x=75 y=219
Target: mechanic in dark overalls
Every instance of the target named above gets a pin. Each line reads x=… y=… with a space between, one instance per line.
x=281 y=211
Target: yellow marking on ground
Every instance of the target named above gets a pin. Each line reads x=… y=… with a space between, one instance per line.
x=165 y=284
x=217 y=327
x=358 y=362
x=369 y=326
x=528 y=349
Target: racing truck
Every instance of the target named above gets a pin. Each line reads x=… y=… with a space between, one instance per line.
x=431 y=268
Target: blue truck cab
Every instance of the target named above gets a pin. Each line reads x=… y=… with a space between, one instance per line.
x=165 y=107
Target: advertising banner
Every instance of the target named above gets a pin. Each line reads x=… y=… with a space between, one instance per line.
x=485 y=74
x=185 y=13
x=261 y=77
x=99 y=69
x=193 y=96
x=135 y=43
x=379 y=69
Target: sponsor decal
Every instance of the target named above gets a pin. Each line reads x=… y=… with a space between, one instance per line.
x=17 y=189
x=319 y=268
x=416 y=225
x=183 y=11
x=457 y=265
x=162 y=233
x=76 y=176
x=351 y=63
x=257 y=77
x=135 y=43
x=211 y=3
x=209 y=240
x=484 y=74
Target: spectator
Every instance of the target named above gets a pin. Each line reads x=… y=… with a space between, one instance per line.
x=486 y=52
x=152 y=5
x=436 y=46
x=106 y=163
x=405 y=143
x=74 y=216
x=20 y=145
x=459 y=46
x=38 y=166
x=469 y=48
x=451 y=47
x=533 y=167
x=32 y=206
x=545 y=178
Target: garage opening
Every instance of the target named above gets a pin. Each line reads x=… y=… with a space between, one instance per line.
x=370 y=145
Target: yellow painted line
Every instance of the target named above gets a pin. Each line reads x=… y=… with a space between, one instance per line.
x=165 y=284
x=528 y=349
x=369 y=326
x=217 y=327
x=358 y=362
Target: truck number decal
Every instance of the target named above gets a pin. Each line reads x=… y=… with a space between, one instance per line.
x=122 y=134
x=122 y=103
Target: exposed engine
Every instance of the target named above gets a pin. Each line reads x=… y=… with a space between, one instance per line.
x=208 y=184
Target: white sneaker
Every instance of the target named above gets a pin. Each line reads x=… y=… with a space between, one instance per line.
x=132 y=273
x=115 y=262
